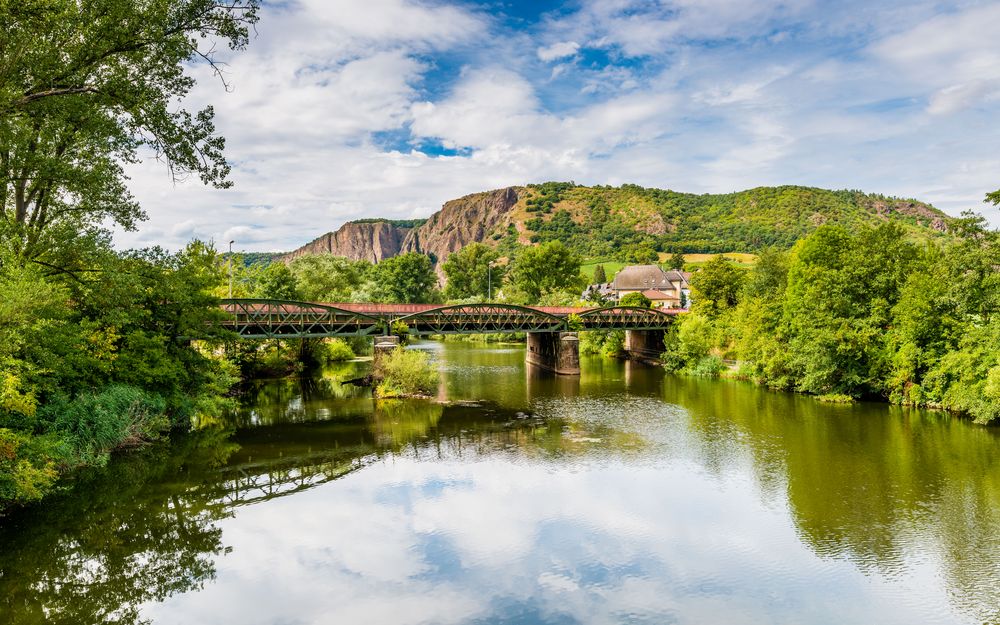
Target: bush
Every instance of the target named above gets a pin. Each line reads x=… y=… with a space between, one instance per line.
x=94 y=424
x=404 y=373
x=336 y=350
x=636 y=299
x=708 y=367
x=835 y=398
x=610 y=343
x=28 y=466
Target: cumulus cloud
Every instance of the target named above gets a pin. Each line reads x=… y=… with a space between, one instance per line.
x=558 y=50
x=334 y=104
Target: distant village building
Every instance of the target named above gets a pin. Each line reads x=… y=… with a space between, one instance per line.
x=666 y=289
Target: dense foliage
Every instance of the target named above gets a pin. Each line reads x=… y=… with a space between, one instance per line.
x=543 y=270
x=103 y=359
x=101 y=349
x=473 y=271
x=631 y=223
x=868 y=314
x=84 y=86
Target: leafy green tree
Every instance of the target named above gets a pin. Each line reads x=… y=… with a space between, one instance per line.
x=275 y=281
x=469 y=273
x=676 y=261
x=405 y=279
x=543 y=269
x=636 y=299
x=327 y=278
x=716 y=286
x=641 y=255
x=600 y=277
x=88 y=86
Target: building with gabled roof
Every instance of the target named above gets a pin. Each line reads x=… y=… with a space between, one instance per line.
x=665 y=288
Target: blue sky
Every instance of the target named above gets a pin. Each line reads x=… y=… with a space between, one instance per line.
x=342 y=109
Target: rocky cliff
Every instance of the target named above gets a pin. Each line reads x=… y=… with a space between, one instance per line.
x=458 y=223
x=358 y=241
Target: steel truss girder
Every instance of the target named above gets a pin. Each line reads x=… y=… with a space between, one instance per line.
x=267 y=319
x=482 y=319
x=625 y=318
x=272 y=319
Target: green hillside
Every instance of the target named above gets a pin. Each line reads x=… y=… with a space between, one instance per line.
x=605 y=221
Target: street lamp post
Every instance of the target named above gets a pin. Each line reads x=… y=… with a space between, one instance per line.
x=489 y=281
x=231 y=269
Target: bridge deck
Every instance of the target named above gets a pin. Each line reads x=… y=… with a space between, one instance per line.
x=255 y=318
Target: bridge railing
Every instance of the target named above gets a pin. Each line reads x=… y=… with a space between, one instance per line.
x=262 y=318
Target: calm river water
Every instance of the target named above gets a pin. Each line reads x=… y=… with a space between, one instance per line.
x=624 y=496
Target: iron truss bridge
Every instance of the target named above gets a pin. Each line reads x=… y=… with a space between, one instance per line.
x=265 y=318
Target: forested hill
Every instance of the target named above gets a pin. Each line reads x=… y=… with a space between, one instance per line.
x=604 y=221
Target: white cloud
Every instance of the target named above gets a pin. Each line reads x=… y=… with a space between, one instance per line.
x=956 y=55
x=559 y=50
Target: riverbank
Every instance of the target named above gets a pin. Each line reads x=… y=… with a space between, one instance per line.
x=672 y=480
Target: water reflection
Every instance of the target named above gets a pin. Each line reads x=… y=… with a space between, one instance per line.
x=625 y=495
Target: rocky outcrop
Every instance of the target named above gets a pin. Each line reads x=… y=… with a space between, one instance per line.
x=371 y=241
x=461 y=222
x=458 y=223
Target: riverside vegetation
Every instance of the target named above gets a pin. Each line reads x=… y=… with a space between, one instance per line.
x=867 y=314
x=102 y=349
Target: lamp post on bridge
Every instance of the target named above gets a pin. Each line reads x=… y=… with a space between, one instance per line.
x=231 y=269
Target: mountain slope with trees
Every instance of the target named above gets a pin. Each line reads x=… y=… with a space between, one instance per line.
x=632 y=223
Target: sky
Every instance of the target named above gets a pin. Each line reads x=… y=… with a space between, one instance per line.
x=344 y=109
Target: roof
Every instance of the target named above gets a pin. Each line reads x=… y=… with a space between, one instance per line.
x=658 y=296
x=639 y=277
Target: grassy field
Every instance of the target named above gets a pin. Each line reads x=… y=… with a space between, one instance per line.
x=691 y=261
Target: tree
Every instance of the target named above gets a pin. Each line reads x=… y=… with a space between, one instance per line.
x=86 y=86
x=641 y=255
x=405 y=279
x=539 y=270
x=469 y=274
x=636 y=299
x=327 y=278
x=599 y=276
x=676 y=261
x=716 y=286
x=275 y=281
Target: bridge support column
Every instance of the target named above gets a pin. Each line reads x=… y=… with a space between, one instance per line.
x=646 y=345
x=383 y=345
x=558 y=352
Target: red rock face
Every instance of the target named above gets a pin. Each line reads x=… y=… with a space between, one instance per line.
x=461 y=222
x=357 y=241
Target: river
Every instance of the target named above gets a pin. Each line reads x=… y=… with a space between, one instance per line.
x=626 y=495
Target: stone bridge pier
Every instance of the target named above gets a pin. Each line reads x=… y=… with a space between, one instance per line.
x=644 y=344
x=384 y=345
x=558 y=352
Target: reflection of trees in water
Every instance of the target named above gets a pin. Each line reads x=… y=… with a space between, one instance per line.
x=866 y=482
x=129 y=535
x=861 y=484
